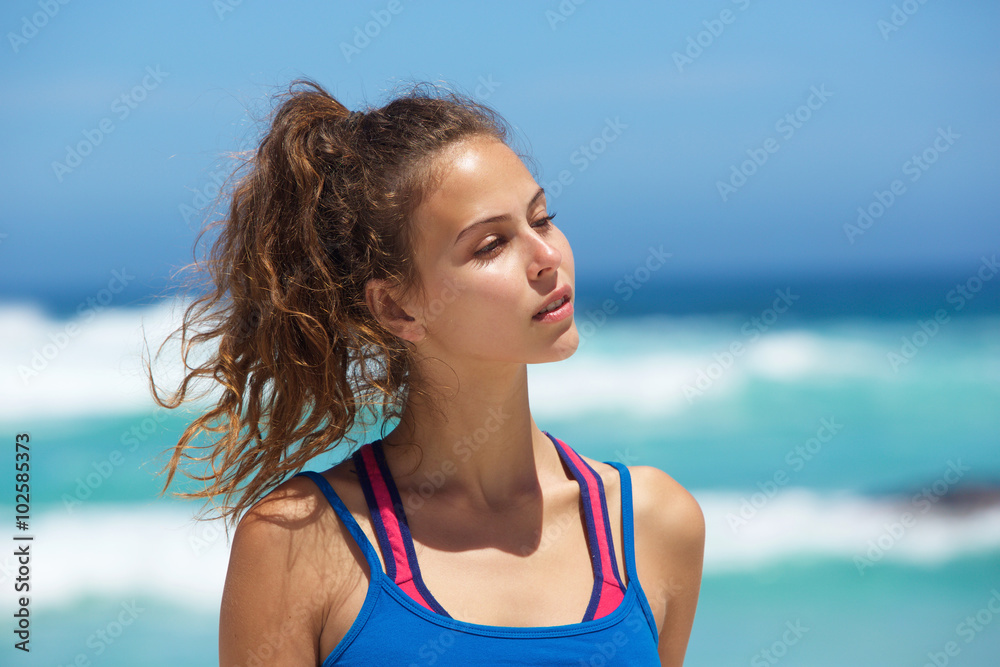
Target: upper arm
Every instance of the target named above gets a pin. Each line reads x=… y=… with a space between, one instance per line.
x=670 y=548
x=274 y=604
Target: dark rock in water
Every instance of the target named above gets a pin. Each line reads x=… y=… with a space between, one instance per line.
x=966 y=497
x=970 y=497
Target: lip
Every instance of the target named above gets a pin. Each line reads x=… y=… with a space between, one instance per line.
x=559 y=313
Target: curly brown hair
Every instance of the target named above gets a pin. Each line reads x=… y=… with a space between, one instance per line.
x=322 y=206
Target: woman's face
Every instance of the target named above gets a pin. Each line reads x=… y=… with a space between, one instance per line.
x=485 y=281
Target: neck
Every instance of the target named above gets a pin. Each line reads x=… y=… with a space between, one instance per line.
x=477 y=449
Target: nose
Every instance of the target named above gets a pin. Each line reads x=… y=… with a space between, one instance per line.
x=544 y=257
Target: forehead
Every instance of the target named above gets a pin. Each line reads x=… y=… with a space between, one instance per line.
x=477 y=178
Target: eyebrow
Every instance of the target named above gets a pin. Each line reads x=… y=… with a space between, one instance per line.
x=497 y=218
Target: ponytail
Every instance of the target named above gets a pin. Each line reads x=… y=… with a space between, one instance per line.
x=323 y=207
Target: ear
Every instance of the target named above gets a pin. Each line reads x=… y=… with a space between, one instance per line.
x=386 y=306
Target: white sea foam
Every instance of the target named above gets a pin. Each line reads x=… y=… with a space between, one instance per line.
x=631 y=366
x=87 y=365
x=750 y=531
x=118 y=552
x=121 y=552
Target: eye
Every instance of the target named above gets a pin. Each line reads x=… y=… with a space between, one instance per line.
x=546 y=221
x=491 y=249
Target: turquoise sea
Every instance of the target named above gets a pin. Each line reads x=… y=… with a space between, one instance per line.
x=844 y=446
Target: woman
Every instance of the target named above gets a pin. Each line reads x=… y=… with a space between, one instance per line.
x=403 y=260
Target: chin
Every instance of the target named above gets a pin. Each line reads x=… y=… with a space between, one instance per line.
x=562 y=348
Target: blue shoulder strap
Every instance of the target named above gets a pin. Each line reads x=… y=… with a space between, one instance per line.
x=628 y=548
x=374 y=565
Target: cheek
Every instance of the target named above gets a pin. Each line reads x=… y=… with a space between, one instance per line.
x=444 y=301
x=482 y=300
x=491 y=297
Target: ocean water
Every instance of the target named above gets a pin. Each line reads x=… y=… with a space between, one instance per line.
x=848 y=466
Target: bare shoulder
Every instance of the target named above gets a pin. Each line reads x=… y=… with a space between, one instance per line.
x=670 y=548
x=288 y=560
x=665 y=511
x=284 y=524
x=662 y=508
x=295 y=503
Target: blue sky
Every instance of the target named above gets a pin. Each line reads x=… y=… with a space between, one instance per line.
x=818 y=106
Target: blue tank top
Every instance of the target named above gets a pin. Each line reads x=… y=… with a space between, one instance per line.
x=400 y=622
